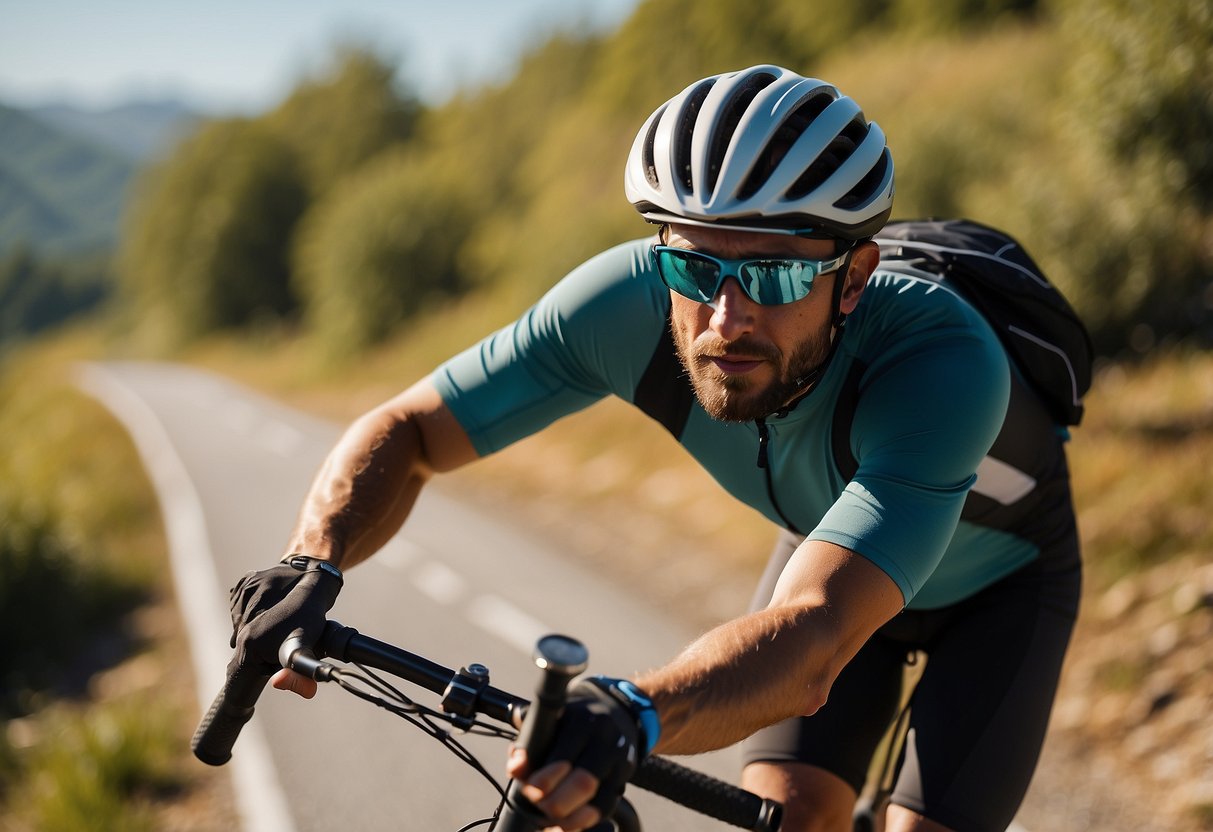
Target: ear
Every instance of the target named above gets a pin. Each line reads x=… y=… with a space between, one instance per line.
x=863 y=262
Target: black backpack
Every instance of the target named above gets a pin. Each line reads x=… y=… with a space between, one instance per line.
x=1037 y=326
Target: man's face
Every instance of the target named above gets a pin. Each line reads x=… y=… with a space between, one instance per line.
x=744 y=359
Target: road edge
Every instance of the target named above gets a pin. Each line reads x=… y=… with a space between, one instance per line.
x=260 y=800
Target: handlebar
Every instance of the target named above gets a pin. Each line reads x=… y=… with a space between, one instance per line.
x=234 y=705
x=232 y=709
x=560 y=659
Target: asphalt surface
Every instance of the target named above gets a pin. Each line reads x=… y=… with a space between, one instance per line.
x=231 y=468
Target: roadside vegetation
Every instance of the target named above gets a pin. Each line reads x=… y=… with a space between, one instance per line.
x=94 y=709
x=335 y=248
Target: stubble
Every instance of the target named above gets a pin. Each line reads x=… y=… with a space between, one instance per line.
x=739 y=398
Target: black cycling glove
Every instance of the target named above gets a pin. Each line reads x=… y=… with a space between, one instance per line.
x=267 y=606
x=608 y=727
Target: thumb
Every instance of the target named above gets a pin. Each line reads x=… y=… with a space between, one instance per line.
x=516 y=765
x=297 y=683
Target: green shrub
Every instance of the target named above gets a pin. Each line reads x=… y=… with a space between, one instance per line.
x=98 y=770
x=73 y=503
x=380 y=249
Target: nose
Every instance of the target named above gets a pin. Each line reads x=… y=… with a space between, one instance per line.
x=733 y=313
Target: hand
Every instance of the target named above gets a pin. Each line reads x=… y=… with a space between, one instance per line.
x=267 y=606
x=608 y=727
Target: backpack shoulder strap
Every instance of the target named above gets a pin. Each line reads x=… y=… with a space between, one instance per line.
x=1041 y=332
x=664 y=392
x=844 y=415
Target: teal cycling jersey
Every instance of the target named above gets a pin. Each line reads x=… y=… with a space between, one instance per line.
x=929 y=386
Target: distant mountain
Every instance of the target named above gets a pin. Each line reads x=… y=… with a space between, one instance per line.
x=141 y=131
x=58 y=191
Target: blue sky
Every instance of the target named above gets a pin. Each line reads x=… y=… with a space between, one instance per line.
x=225 y=55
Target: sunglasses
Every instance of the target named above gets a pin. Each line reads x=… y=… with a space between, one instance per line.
x=767 y=281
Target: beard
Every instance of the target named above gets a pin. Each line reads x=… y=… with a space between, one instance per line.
x=731 y=398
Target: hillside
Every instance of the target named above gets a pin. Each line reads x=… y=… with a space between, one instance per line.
x=58 y=192
x=139 y=131
x=516 y=183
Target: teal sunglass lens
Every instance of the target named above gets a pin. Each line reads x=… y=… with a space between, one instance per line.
x=772 y=282
x=768 y=282
x=690 y=276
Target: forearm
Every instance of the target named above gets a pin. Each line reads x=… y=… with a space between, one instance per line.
x=774 y=664
x=363 y=492
x=370 y=480
x=742 y=676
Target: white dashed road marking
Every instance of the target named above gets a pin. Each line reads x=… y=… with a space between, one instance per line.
x=439 y=582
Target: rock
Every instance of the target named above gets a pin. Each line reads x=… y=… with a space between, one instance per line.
x=1119 y=599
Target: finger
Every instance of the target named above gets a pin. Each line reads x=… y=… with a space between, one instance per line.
x=543 y=782
x=287 y=679
x=517 y=765
x=584 y=818
x=569 y=796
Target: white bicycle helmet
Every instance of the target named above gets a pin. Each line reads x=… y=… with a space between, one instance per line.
x=763 y=149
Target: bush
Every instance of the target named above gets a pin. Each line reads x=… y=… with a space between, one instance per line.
x=207 y=239
x=60 y=602
x=382 y=248
x=73 y=500
x=99 y=770
x=1123 y=212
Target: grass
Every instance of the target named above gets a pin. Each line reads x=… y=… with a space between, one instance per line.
x=101 y=768
x=81 y=558
x=1140 y=465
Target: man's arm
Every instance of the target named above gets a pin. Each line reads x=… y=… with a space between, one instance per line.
x=779 y=662
x=365 y=490
x=748 y=673
x=371 y=478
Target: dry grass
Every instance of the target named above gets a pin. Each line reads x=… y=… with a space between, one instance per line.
x=1141 y=466
x=97 y=704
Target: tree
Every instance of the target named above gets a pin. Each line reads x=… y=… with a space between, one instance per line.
x=1143 y=86
x=39 y=292
x=381 y=248
x=1135 y=205
x=207 y=238
x=340 y=120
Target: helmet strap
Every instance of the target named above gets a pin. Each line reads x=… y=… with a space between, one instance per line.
x=838 y=322
x=837 y=317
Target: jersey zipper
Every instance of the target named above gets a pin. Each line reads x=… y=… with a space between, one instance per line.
x=764 y=462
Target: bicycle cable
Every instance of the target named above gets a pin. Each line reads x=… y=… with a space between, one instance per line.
x=383 y=694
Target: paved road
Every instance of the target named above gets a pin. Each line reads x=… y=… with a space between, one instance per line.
x=230 y=468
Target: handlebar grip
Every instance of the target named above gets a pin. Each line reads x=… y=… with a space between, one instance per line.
x=560 y=658
x=232 y=708
x=709 y=796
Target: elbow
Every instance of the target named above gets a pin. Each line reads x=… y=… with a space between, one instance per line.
x=816 y=685
x=827 y=656
x=813 y=698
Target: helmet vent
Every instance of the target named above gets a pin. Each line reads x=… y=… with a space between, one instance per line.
x=684 y=131
x=863 y=190
x=729 y=119
x=650 y=166
x=787 y=134
x=825 y=164
x=830 y=160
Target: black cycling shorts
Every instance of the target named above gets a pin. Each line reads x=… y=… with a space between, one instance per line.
x=981 y=707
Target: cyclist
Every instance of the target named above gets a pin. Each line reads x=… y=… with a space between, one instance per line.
x=756 y=317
